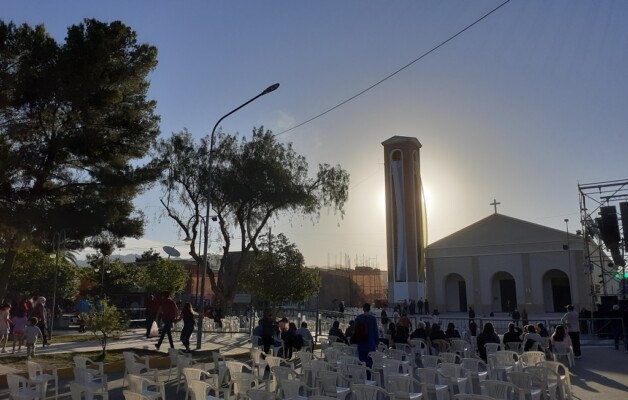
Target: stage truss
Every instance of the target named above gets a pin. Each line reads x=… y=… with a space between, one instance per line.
x=601 y=267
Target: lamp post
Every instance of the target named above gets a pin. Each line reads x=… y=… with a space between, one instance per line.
x=56 y=236
x=188 y=241
x=212 y=138
x=102 y=276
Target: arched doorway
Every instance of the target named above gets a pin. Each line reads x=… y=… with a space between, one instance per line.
x=556 y=290
x=504 y=292
x=455 y=293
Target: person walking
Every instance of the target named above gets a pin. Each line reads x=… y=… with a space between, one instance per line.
x=366 y=334
x=32 y=332
x=169 y=314
x=40 y=312
x=572 y=322
x=152 y=306
x=188 y=315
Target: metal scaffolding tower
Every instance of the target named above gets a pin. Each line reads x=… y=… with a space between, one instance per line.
x=607 y=262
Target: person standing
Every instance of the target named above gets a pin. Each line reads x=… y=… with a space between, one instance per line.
x=572 y=322
x=426 y=306
x=188 y=316
x=267 y=331
x=5 y=323
x=169 y=314
x=471 y=313
x=39 y=312
x=31 y=332
x=516 y=316
x=152 y=306
x=366 y=334
x=419 y=306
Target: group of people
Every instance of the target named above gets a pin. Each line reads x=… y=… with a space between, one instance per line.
x=282 y=333
x=26 y=322
x=163 y=308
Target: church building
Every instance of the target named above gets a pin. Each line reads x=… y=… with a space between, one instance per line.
x=501 y=262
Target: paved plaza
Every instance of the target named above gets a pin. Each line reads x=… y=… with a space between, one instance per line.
x=602 y=372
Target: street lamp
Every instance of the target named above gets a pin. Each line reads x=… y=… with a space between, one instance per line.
x=188 y=241
x=212 y=138
x=102 y=276
x=55 y=239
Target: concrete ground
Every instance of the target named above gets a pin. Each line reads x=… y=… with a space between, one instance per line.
x=602 y=372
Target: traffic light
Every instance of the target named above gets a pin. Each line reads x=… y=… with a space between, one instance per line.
x=617 y=276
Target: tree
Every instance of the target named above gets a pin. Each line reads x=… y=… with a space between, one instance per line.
x=74 y=120
x=163 y=275
x=278 y=274
x=34 y=273
x=253 y=181
x=105 y=323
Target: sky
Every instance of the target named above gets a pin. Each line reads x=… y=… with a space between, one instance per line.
x=521 y=107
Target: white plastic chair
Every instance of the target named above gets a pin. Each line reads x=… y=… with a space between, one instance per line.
x=561 y=370
x=199 y=390
x=91 y=385
x=472 y=396
x=149 y=388
x=42 y=376
x=564 y=350
x=260 y=394
x=21 y=389
x=242 y=382
x=183 y=361
x=430 y=361
x=84 y=362
x=455 y=377
x=529 y=385
x=477 y=371
x=430 y=384
x=531 y=358
x=330 y=382
x=291 y=389
x=548 y=378
x=358 y=373
x=173 y=355
x=461 y=347
x=129 y=395
x=502 y=362
x=133 y=364
x=514 y=346
x=500 y=390
x=368 y=392
x=404 y=387
x=450 y=357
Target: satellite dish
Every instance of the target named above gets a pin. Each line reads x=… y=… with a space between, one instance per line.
x=171 y=251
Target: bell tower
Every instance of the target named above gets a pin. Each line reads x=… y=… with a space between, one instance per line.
x=406 y=223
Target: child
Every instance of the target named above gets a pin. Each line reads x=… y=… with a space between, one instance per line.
x=31 y=332
x=4 y=325
x=19 y=324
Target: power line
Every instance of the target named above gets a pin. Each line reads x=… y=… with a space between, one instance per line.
x=433 y=49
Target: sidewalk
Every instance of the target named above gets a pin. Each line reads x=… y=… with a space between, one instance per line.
x=602 y=371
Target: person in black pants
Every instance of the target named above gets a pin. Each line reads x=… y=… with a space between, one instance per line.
x=188 y=316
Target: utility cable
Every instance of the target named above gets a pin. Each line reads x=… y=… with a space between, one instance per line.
x=433 y=49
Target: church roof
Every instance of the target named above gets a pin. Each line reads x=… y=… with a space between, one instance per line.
x=501 y=230
x=402 y=139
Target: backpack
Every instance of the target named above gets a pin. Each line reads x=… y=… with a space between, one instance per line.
x=361 y=333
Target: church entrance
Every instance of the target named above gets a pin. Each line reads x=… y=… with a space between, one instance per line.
x=504 y=292
x=455 y=293
x=556 y=291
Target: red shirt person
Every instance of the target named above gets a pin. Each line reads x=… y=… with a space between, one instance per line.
x=169 y=315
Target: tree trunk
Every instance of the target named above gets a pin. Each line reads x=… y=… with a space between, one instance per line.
x=5 y=272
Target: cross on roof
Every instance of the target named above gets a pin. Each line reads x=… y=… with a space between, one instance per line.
x=494 y=204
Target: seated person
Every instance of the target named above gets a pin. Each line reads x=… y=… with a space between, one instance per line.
x=337 y=332
x=437 y=333
x=419 y=332
x=531 y=337
x=402 y=335
x=452 y=332
x=559 y=336
x=350 y=331
x=305 y=334
x=513 y=335
x=542 y=330
x=258 y=331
